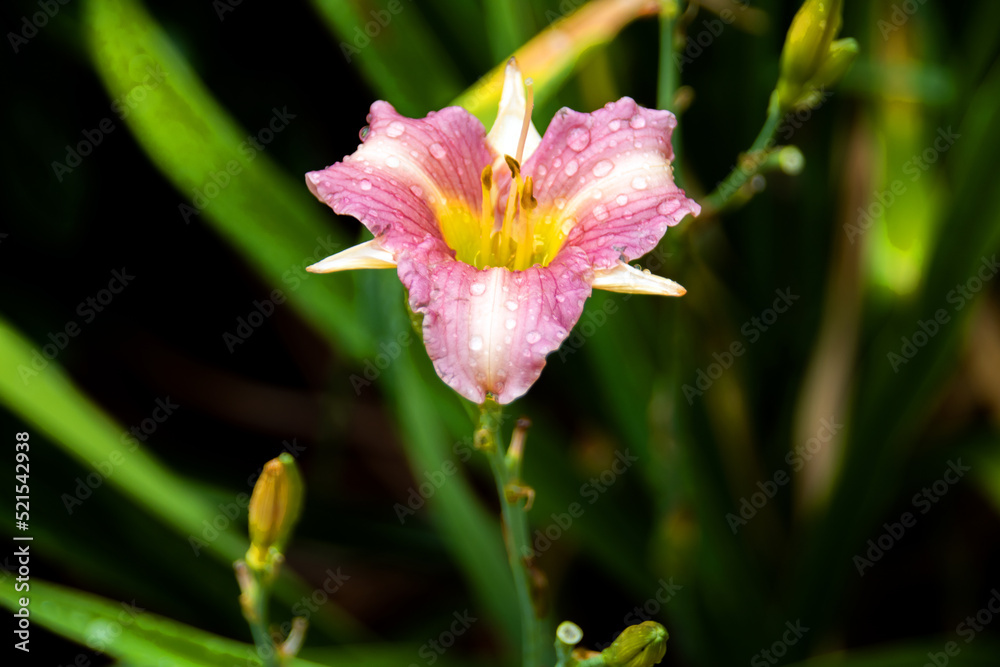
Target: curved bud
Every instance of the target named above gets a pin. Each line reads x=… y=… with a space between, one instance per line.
x=807 y=47
x=839 y=59
x=274 y=508
x=640 y=645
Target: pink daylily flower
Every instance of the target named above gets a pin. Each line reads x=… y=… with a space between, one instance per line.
x=499 y=238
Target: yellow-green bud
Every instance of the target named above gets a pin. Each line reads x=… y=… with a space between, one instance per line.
x=274 y=508
x=810 y=59
x=841 y=56
x=640 y=645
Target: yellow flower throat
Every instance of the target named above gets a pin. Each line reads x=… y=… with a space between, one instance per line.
x=524 y=236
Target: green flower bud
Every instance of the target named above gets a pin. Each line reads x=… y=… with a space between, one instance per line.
x=841 y=56
x=640 y=645
x=810 y=59
x=274 y=508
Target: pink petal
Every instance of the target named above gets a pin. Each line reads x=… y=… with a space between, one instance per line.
x=405 y=168
x=610 y=172
x=489 y=330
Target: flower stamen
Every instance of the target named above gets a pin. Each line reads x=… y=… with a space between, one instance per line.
x=487 y=222
x=510 y=214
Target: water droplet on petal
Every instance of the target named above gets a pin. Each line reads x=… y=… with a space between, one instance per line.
x=512 y=305
x=637 y=122
x=417 y=190
x=366 y=184
x=392 y=161
x=600 y=212
x=557 y=163
x=668 y=207
x=541 y=170
x=614 y=125
x=560 y=298
x=639 y=183
x=621 y=199
x=476 y=343
x=365 y=131
x=438 y=151
x=596 y=193
x=533 y=337
x=603 y=168
x=477 y=288
x=560 y=203
x=579 y=138
x=571 y=167
x=510 y=323
x=395 y=129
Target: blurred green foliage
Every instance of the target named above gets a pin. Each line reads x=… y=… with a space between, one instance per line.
x=890 y=224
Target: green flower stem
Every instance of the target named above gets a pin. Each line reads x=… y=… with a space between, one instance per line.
x=253 y=600
x=667 y=84
x=750 y=163
x=668 y=80
x=506 y=473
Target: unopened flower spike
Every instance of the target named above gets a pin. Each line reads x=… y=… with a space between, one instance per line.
x=500 y=237
x=641 y=645
x=275 y=506
x=811 y=60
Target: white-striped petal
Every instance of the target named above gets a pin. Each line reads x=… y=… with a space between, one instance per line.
x=624 y=278
x=367 y=255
